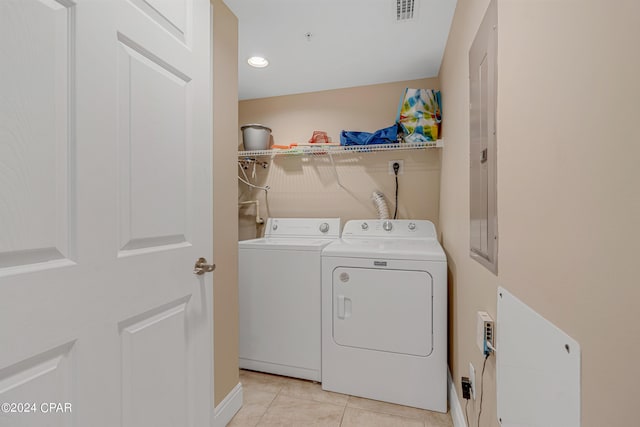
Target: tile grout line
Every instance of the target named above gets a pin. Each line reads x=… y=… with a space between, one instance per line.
x=422 y=421
x=342 y=417
x=382 y=412
x=282 y=390
x=269 y=405
x=344 y=410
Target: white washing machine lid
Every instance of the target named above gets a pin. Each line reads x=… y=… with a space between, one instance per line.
x=387 y=248
x=319 y=228
x=286 y=243
x=300 y=234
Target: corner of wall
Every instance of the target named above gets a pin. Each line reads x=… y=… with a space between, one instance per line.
x=471 y=286
x=225 y=210
x=228 y=407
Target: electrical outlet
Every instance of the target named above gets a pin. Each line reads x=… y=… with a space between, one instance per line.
x=484 y=332
x=465 y=384
x=400 y=171
x=489 y=334
x=472 y=380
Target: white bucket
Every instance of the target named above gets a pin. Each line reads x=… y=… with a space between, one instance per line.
x=255 y=137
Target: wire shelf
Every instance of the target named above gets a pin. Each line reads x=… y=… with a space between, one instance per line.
x=321 y=150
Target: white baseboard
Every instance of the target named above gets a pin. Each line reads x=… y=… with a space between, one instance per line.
x=457 y=415
x=229 y=406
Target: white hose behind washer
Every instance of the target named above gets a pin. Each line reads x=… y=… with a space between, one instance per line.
x=381 y=205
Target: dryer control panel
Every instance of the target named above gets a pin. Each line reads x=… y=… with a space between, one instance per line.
x=396 y=228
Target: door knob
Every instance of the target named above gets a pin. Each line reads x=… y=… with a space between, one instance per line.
x=202 y=267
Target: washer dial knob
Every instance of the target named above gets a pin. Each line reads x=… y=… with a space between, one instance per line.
x=412 y=226
x=364 y=226
x=324 y=227
x=387 y=225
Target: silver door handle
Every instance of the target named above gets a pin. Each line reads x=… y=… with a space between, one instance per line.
x=202 y=267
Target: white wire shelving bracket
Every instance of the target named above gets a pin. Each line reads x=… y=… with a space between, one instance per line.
x=332 y=150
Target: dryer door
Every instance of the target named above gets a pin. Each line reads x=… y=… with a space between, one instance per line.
x=385 y=310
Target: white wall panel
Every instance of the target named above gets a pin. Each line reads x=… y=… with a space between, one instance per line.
x=538 y=366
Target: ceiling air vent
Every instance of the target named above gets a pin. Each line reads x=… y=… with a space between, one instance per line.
x=404 y=10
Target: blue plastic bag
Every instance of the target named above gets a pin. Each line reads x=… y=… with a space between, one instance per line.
x=383 y=136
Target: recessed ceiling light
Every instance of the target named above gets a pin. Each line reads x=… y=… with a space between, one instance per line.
x=258 y=61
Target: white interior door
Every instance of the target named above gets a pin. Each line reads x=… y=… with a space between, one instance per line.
x=105 y=205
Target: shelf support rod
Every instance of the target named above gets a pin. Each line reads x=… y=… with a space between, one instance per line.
x=335 y=171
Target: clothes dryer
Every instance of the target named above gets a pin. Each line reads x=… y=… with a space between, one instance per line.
x=279 y=296
x=384 y=313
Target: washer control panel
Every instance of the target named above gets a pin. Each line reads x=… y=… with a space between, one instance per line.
x=303 y=227
x=416 y=228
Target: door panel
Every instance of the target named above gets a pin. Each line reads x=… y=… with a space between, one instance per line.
x=172 y=15
x=155 y=357
x=33 y=383
x=36 y=144
x=153 y=135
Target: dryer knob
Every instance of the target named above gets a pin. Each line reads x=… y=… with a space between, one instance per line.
x=412 y=226
x=275 y=227
x=324 y=227
x=364 y=226
x=387 y=225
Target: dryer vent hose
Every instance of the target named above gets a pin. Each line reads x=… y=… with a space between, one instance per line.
x=381 y=205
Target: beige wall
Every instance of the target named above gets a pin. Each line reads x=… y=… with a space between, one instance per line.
x=225 y=230
x=307 y=187
x=568 y=198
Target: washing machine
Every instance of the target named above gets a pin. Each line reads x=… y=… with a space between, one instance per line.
x=384 y=313
x=279 y=296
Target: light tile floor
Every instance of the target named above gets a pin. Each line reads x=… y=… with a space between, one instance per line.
x=271 y=400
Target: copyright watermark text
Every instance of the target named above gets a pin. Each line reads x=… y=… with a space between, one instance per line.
x=36 y=407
